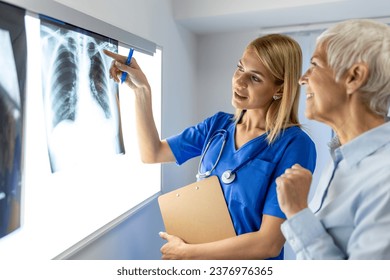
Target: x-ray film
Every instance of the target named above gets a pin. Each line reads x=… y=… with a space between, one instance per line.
x=12 y=74
x=81 y=103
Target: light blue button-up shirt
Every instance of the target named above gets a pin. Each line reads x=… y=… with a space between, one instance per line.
x=349 y=215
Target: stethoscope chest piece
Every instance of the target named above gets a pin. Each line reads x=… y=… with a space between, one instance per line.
x=228 y=177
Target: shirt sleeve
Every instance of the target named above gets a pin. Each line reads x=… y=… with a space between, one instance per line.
x=190 y=142
x=187 y=144
x=308 y=238
x=370 y=238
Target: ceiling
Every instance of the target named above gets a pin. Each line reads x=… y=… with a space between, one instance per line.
x=209 y=16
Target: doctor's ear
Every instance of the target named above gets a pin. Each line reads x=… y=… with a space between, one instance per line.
x=357 y=76
x=278 y=94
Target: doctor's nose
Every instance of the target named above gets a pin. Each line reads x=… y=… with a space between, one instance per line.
x=240 y=83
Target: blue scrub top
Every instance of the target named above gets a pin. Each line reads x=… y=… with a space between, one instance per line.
x=253 y=192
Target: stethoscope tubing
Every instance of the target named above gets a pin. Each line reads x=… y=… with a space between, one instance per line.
x=206 y=174
x=229 y=175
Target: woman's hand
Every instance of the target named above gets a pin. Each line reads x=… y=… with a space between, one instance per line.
x=135 y=79
x=174 y=249
x=293 y=189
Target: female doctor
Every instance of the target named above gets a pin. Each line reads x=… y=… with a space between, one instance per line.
x=247 y=150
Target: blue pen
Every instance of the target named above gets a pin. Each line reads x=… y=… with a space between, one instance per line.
x=124 y=74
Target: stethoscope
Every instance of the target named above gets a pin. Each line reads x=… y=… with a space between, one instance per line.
x=223 y=134
x=229 y=175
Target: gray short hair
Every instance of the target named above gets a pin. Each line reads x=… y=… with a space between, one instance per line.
x=362 y=40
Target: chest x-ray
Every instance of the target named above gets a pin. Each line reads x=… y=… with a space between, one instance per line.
x=81 y=103
x=12 y=75
x=10 y=139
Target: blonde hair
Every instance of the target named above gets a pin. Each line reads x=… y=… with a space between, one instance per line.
x=282 y=56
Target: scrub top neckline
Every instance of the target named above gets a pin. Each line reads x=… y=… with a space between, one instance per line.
x=248 y=143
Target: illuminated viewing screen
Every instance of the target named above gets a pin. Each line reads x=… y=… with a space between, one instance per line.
x=81 y=164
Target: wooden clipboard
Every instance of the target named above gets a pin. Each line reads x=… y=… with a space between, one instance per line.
x=197 y=213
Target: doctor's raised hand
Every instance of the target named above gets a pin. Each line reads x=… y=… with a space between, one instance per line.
x=152 y=149
x=246 y=150
x=135 y=78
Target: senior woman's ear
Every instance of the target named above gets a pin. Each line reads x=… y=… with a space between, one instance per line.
x=357 y=76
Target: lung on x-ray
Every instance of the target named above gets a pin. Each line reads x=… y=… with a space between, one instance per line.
x=81 y=103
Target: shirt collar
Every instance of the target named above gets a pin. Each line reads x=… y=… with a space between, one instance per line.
x=362 y=146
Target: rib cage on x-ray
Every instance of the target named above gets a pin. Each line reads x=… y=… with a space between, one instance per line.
x=64 y=83
x=80 y=101
x=66 y=75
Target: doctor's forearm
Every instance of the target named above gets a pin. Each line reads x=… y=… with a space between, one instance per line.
x=247 y=246
x=148 y=138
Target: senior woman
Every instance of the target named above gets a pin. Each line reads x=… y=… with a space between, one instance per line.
x=347 y=88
